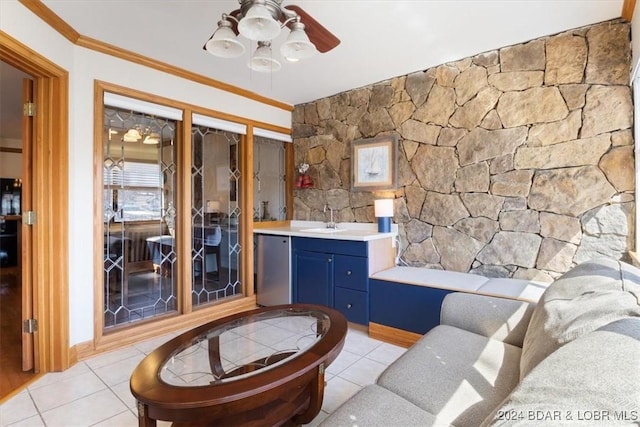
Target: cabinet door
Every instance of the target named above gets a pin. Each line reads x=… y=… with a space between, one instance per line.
x=313 y=273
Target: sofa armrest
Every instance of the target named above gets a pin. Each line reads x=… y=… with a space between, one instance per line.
x=502 y=319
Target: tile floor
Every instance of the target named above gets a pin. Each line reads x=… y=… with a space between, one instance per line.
x=95 y=392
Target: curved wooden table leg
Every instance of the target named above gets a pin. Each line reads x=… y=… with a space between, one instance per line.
x=315 y=399
x=214 y=358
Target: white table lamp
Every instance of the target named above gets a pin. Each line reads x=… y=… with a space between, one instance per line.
x=383 y=209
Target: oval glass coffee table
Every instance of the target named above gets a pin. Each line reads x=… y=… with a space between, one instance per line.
x=260 y=367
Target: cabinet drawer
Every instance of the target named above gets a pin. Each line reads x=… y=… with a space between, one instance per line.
x=353 y=304
x=330 y=246
x=351 y=272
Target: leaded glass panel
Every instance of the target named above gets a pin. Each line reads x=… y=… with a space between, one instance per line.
x=139 y=181
x=215 y=215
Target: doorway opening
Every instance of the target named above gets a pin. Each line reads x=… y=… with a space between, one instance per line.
x=44 y=256
x=16 y=347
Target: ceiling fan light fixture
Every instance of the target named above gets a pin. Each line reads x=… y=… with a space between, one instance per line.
x=297 y=46
x=261 y=21
x=262 y=60
x=224 y=42
x=258 y=24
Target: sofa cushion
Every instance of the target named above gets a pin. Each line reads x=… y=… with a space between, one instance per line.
x=456 y=375
x=585 y=298
x=376 y=406
x=593 y=380
x=498 y=318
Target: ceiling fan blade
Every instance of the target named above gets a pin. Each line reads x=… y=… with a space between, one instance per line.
x=322 y=38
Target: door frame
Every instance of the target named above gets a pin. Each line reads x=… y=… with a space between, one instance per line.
x=50 y=233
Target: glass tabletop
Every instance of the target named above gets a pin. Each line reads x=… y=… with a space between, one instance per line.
x=244 y=347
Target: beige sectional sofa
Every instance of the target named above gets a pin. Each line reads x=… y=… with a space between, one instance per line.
x=573 y=358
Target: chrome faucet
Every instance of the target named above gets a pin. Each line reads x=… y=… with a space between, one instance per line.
x=330 y=224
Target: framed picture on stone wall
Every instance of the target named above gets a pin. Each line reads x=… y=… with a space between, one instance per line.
x=374 y=163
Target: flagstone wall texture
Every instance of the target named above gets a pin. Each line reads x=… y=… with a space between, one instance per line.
x=516 y=162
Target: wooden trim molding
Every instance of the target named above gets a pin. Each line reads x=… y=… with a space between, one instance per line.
x=58 y=24
x=246 y=205
x=393 y=335
x=628 y=8
x=53 y=20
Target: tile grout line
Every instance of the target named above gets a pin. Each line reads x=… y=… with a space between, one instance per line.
x=37 y=409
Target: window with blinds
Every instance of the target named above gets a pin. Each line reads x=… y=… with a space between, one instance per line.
x=135 y=191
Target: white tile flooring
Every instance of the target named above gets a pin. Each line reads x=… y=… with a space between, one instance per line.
x=95 y=392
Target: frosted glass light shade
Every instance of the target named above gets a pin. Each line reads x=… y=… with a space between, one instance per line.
x=152 y=139
x=258 y=24
x=262 y=60
x=224 y=42
x=383 y=208
x=132 y=135
x=297 y=46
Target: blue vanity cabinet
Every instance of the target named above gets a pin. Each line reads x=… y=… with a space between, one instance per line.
x=334 y=273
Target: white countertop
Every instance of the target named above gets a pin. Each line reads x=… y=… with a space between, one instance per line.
x=317 y=229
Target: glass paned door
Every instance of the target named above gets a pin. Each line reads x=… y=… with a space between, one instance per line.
x=269 y=190
x=215 y=214
x=139 y=182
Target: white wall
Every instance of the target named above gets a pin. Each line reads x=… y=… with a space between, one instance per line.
x=10 y=163
x=85 y=66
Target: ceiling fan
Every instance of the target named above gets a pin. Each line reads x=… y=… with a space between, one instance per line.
x=261 y=21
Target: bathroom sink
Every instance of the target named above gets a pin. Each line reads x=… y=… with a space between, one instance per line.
x=322 y=230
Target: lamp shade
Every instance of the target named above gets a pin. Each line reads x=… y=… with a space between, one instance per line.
x=297 y=46
x=132 y=135
x=224 y=42
x=213 y=206
x=262 y=60
x=152 y=139
x=383 y=208
x=258 y=24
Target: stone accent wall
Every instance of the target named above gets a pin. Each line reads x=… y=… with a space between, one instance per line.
x=516 y=162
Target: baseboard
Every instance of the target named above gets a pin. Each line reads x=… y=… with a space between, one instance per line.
x=393 y=335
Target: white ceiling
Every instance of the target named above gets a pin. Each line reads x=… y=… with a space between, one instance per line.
x=379 y=39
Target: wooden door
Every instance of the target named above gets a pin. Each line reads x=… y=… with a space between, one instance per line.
x=29 y=347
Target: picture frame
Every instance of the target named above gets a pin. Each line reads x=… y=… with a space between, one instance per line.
x=374 y=163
